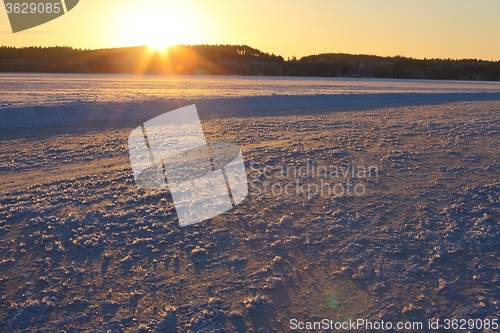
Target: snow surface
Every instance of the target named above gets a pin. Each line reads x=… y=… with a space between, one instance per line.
x=33 y=100
x=56 y=107
x=82 y=248
x=57 y=89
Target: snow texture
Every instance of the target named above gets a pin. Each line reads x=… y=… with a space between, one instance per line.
x=82 y=248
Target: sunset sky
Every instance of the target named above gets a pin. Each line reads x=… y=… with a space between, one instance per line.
x=423 y=28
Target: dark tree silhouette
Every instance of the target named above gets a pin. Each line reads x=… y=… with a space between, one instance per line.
x=238 y=60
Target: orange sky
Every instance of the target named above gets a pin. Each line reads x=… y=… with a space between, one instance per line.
x=423 y=28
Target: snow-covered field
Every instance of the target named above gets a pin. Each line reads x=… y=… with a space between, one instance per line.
x=83 y=249
x=58 y=89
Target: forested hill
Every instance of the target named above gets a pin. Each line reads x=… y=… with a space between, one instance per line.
x=238 y=60
x=400 y=67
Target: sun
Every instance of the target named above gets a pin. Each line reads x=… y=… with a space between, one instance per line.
x=159 y=24
x=158 y=32
x=158 y=42
x=158 y=45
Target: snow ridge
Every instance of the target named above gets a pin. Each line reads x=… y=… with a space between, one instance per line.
x=76 y=113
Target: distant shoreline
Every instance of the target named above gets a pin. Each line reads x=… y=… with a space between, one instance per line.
x=238 y=60
x=244 y=76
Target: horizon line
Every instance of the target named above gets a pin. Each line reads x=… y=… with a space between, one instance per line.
x=270 y=53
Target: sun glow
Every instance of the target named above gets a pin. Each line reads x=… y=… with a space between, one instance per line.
x=159 y=24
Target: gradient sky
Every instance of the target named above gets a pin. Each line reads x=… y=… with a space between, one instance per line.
x=423 y=28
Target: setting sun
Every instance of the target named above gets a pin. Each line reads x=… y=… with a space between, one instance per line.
x=163 y=25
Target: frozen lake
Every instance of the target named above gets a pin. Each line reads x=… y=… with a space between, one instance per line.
x=55 y=89
x=34 y=100
x=83 y=248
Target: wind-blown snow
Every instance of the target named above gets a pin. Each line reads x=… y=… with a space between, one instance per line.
x=56 y=89
x=34 y=100
x=75 y=113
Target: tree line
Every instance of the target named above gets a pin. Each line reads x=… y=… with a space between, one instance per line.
x=238 y=60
